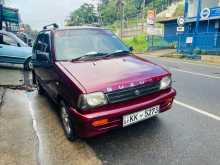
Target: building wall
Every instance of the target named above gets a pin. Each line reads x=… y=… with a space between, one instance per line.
x=209 y=3
x=170 y=31
x=192 y=6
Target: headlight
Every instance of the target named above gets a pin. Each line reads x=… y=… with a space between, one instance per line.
x=92 y=100
x=165 y=82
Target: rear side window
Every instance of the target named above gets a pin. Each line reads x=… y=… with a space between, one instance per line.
x=7 y=40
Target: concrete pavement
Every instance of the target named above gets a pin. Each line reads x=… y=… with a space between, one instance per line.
x=30 y=129
x=11 y=77
x=17 y=138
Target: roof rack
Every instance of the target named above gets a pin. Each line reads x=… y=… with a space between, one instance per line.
x=54 y=25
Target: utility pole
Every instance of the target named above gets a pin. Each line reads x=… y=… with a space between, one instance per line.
x=97 y=4
x=120 y=4
x=143 y=15
x=99 y=13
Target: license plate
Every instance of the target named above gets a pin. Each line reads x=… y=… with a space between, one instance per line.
x=141 y=115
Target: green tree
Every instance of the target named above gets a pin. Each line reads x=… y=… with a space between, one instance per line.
x=29 y=31
x=84 y=15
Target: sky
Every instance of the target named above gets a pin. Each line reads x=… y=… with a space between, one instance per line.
x=38 y=13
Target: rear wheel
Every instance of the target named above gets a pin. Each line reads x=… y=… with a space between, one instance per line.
x=67 y=123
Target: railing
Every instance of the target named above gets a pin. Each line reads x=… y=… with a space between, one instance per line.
x=188 y=43
x=202 y=43
x=161 y=42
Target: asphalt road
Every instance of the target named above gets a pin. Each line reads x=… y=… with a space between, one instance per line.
x=189 y=134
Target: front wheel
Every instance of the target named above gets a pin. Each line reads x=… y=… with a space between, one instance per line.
x=28 y=65
x=67 y=123
x=40 y=89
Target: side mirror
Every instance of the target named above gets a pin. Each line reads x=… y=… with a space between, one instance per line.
x=131 y=48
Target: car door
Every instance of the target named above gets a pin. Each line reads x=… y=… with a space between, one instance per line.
x=10 y=50
x=43 y=64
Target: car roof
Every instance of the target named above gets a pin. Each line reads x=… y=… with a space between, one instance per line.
x=75 y=28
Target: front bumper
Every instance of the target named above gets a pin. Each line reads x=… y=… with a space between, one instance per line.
x=114 y=114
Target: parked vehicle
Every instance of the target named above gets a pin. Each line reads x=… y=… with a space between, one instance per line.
x=96 y=80
x=13 y=50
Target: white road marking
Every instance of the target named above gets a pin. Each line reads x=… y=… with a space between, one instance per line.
x=196 y=73
x=203 y=112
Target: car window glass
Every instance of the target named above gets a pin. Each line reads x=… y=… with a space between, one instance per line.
x=42 y=46
x=70 y=44
x=7 y=40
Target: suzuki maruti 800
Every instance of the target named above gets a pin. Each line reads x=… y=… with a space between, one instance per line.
x=97 y=81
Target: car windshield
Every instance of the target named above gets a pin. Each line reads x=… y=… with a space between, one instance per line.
x=76 y=43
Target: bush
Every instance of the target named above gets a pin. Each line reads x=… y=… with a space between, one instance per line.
x=139 y=43
x=197 y=51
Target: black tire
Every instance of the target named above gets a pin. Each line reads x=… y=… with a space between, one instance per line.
x=40 y=89
x=28 y=65
x=67 y=123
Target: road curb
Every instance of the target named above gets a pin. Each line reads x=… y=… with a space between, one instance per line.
x=2 y=93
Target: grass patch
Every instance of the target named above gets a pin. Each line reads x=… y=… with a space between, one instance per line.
x=139 y=43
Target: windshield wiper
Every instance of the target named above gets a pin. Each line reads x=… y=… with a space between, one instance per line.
x=117 y=52
x=89 y=56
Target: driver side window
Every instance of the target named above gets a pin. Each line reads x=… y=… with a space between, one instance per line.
x=42 y=48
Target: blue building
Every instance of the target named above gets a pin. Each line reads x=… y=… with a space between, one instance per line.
x=201 y=28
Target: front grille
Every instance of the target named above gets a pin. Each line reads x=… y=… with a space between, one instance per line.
x=132 y=92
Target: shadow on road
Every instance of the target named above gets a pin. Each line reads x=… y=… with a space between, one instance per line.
x=137 y=143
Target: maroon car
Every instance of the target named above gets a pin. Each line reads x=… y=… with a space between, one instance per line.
x=96 y=80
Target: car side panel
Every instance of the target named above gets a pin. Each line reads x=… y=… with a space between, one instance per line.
x=13 y=54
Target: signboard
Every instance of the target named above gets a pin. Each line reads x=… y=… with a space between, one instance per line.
x=151 y=17
x=215 y=12
x=180 y=29
x=180 y=21
x=151 y=30
x=205 y=13
x=9 y=14
x=189 y=40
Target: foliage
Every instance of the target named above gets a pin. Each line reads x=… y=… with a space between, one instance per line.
x=110 y=11
x=29 y=31
x=197 y=51
x=139 y=43
x=84 y=15
x=179 y=10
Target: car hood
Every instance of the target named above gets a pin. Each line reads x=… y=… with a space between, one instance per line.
x=112 y=74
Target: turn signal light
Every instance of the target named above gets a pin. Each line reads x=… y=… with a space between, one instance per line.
x=100 y=122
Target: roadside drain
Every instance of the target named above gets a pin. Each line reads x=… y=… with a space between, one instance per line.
x=2 y=94
x=34 y=124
